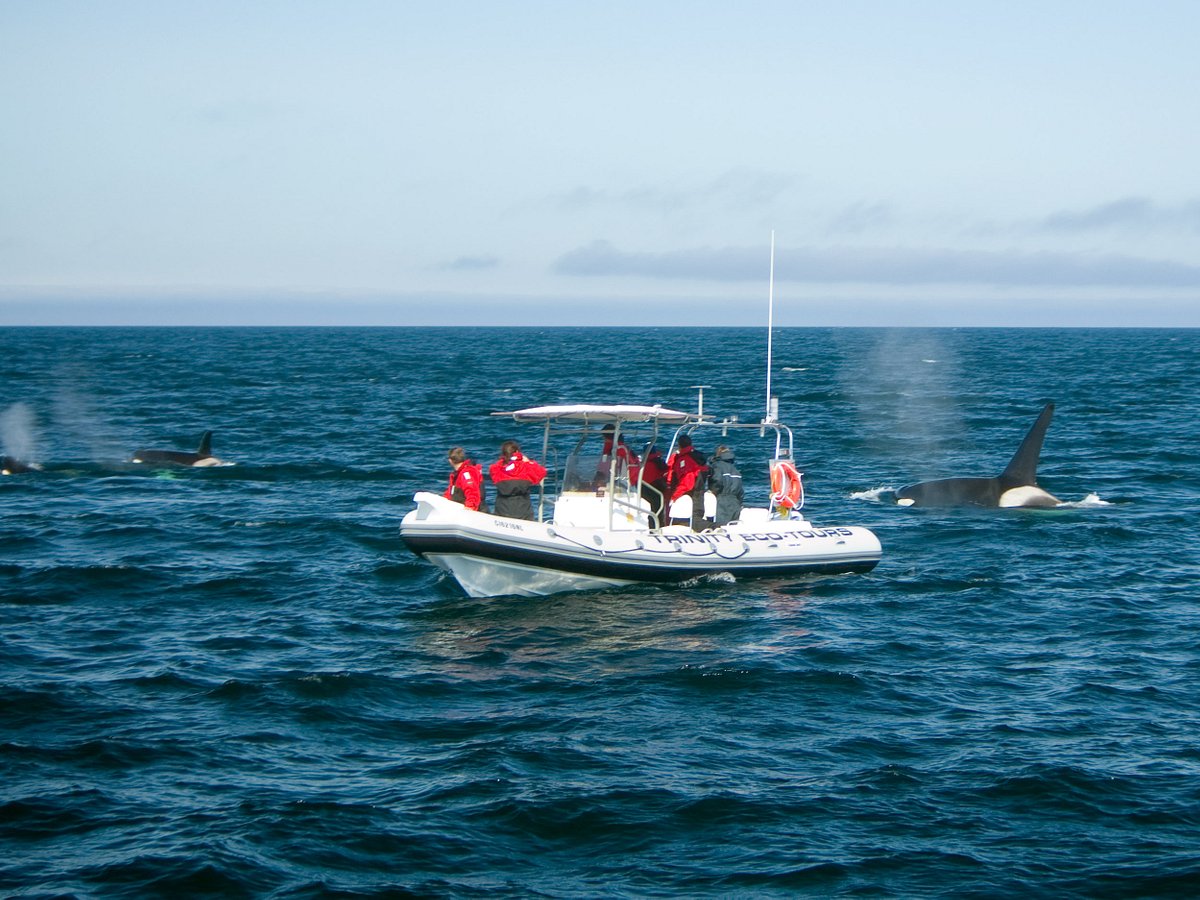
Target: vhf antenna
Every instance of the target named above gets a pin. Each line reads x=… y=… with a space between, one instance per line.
x=772 y=402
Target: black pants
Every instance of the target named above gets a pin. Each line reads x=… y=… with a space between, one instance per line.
x=655 y=494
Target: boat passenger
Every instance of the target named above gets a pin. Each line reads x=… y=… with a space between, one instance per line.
x=687 y=474
x=654 y=484
x=466 y=481
x=725 y=481
x=514 y=475
x=623 y=455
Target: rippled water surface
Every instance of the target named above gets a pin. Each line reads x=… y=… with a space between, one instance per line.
x=236 y=681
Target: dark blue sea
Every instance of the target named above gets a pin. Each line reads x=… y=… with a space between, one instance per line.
x=237 y=682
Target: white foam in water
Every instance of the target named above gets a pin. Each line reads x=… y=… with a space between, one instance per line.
x=711 y=578
x=874 y=495
x=1091 y=501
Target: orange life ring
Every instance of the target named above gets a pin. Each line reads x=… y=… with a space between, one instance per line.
x=787 y=490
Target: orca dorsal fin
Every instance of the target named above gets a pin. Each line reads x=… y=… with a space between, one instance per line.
x=1022 y=469
x=205 y=448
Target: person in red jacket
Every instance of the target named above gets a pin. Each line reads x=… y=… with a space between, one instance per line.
x=654 y=484
x=687 y=476
x=466 y=480
x=514 y=474
x=628 y=462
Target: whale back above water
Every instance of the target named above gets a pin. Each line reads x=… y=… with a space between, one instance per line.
x=1016 y=486
x=202 y=457
x=10 y=465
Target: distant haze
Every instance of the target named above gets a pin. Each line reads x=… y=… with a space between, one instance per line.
x=624 y=163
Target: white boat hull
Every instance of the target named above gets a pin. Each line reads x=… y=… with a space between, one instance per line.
x=493 y=556
x=481 y=577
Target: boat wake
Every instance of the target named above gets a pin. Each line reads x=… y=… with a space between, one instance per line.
x=1091 y=501
x=711 y=578
x=874 y=495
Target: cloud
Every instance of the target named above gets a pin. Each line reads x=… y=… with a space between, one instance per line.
x=601 y=258
x=889 y=266
x=1127 y=213
x=861 y=217
x=736 y=189
x=470 y=264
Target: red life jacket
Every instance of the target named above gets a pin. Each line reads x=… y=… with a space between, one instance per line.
x=685 y=470
x=654 y=470
x=466 y=486
x=519 y=466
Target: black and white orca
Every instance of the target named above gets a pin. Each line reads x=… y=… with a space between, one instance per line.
x=12 y=466
x=202 y=457
x=1016 y=486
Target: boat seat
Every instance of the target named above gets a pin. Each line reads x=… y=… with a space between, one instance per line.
x=682 y=508
x=754 y=515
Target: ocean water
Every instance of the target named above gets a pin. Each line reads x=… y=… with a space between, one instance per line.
x=237 y=681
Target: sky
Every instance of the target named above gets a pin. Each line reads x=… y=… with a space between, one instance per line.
x=358 y=162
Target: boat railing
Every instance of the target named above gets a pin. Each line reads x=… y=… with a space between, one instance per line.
x=608 y=476
x=784 y=442
x=635 y=508
x=659 y=501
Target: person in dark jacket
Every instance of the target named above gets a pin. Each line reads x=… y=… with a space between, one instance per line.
x=725 y=481
x=466 y=480
x=514 y=474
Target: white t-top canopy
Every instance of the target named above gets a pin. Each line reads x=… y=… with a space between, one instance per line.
x=597 y=413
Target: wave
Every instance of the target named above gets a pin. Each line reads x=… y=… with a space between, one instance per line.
x=1091 y=501
x=881 y=494
x=238 y=682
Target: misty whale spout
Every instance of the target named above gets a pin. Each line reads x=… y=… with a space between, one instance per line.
x=1015 y=487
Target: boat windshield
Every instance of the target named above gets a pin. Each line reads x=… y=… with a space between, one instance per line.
x=588 y=471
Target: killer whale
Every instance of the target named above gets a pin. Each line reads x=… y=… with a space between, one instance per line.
x=202 y=457
x=12 y=466
x=1016 y=486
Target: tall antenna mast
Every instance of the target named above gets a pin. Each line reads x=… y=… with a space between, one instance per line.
x=772 y=408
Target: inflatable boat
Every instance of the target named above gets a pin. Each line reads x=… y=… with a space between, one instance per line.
x=595 y=524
